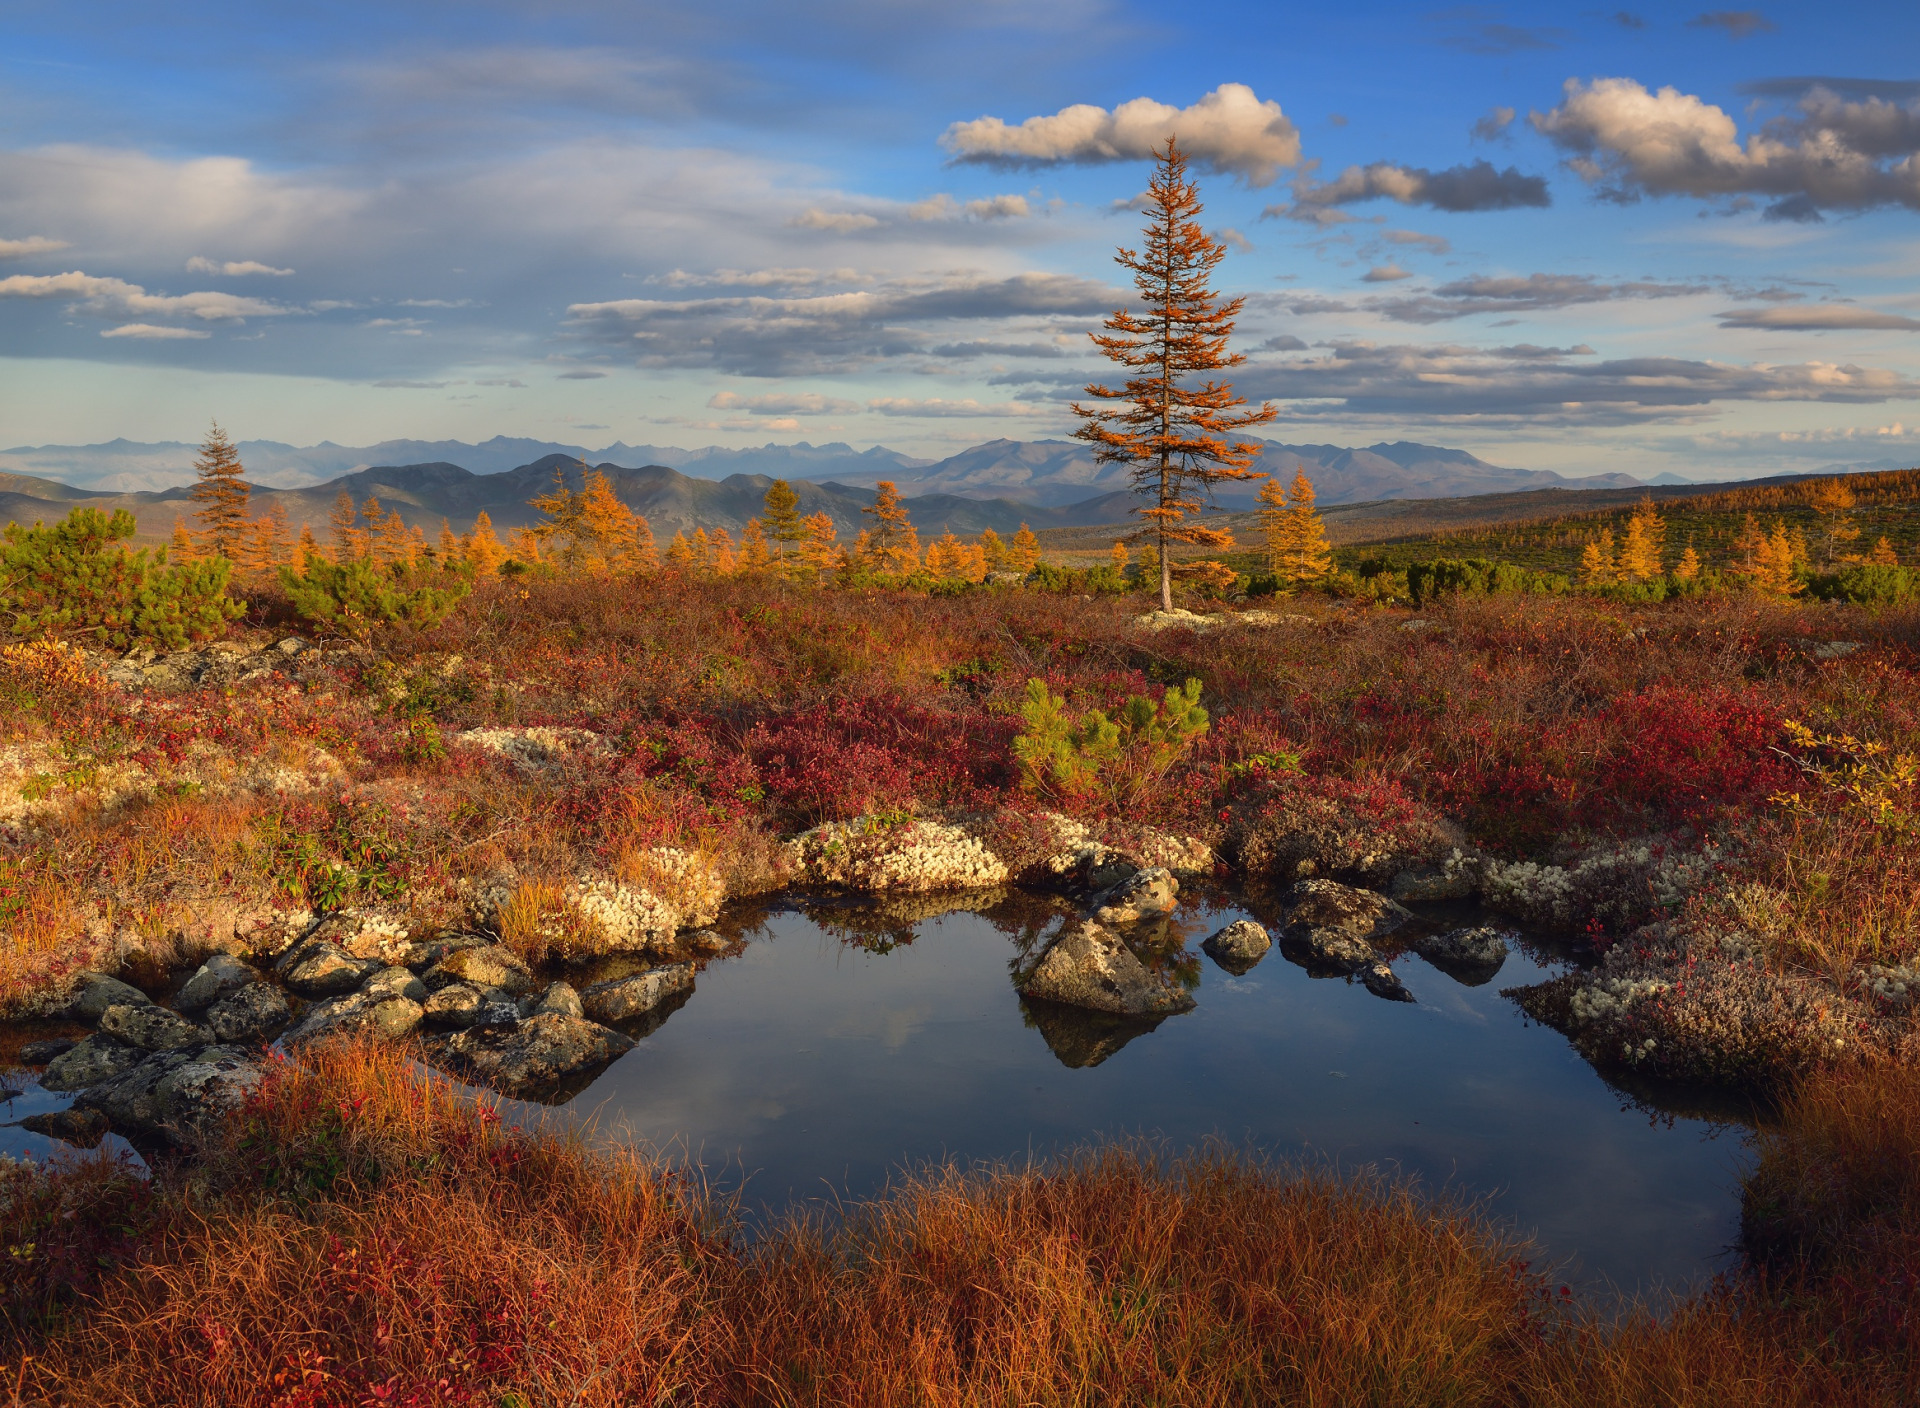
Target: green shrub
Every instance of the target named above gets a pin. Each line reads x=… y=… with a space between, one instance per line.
x=1477 y=576
x=71 y=580
x=355 y=598
x=1059 y=751
x=1866 y=584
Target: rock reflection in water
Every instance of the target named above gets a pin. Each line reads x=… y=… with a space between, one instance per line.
x=1079 y=1038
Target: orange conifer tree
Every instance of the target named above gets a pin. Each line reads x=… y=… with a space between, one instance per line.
x=1173 y=435
x=222 y=496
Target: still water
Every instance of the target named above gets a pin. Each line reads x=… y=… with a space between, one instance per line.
x=816 y=1065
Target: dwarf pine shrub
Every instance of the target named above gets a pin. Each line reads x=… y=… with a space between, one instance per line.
x=356 y=598
x=71 y=579
x=1070 y=754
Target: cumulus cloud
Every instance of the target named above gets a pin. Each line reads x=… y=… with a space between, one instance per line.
x=1385 y=274
x=1832 y=153
x=153 y=332
x=1233 y=239
x=1475 y=186
x=32 y=244
x=1457 y=385
x=233 y=268
x=1493 y=126
x=1735 y=24
x=1825 y=317
x=1534 y=293
x=111 y=297
x=945 y=207
x=1229 y=130
x=808 y=404
x=827 y=332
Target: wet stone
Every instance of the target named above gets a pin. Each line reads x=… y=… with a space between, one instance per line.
x=219 y=976
x=1088 y=966
x=1237 y=947
x=82 y=1128
x=1146 y=894
x=150 y=1028
x=98 y=992
x=623 y=999
x=38 y=1053
x=90 y=1062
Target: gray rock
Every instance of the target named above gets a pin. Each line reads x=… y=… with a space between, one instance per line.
x=252 y=1014
x=150 y=1028
x=321 y=969
x=623 y=999
x=82 y=1128
x=539 y=1052
x=174 y=1093
x=493 y=966
x=38 y=1053
x=97 y=1059
x=1472 y=956
x=395 y=982
x=381 y=1015
x=1381 y=981
x=1238 y=947
x=219 y=976
x=1088 y=966
x=1333 y=926
x=455 y=1005
x=560 y=998
x=495 y=1012
x=98 y=992
x=1146 y=894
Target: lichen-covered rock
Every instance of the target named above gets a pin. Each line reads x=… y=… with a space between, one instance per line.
x=455 y=1005
x=96 y=992
x=1237 y=947
x=1381 y=981
x=533 y=1055
x=172 y=1094
x=317 y=968
x=38 y=1053
x=623 y=999
x=874 y=856
x=559 y=997
x=494 y=966
x=1088 y=965
x=149 y=1027
x=1180 y=618
x=255 y=1013
x=216 y=978
x=1146 y=894
x=1344 y=909
x=1293 y=827
x=1476 y=952
x=394 y=982
x=384 y=1016
x=90 y=1062
x=1077 y=859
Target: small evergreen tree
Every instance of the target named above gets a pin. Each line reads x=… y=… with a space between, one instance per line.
x=1023 y=554
x=893 y=545
x=1273 y=524
x=995 y=550
x=359 y=597
x=222 y=495
x=817 y=550
x=784 y=524
x=1306 y=555
x=349 y=539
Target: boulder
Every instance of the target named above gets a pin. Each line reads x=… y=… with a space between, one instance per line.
x=82 y=1128
x=1333 y=926
x=536 y=1054
x=1381 y=981
x=172 y=1094
x=97 y=992
x=219 y=976
x=624 y=999
x=1237 y=947
x=395 y=982
x=1471 y=956
x=455 y=1005
x=1146 y=894
x=1087 y=965
x=38 y=1053
x=494 y=966
x=254 y=1013
x=318 y=968
x=382 y=1015
x=560 y=998
x=150 y=1028
x=90 y=1062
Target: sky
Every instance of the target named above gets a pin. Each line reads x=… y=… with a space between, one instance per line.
x=1562 y=237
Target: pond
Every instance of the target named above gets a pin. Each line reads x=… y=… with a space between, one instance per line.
x=840 y=1043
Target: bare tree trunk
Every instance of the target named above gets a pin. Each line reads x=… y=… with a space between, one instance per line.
x=1166 y=576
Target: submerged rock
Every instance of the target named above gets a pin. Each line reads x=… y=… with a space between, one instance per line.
x=1237 y=947
x=150 y=1028
x=174 y=1093
x=1382 y=981
x=80 y=1127
x=1471 y=956
x=1146 y=894
x=215 y=979
x=97 y=992
x=538 y=1053
x=1333 y=926
x=97 y=1059
x=623 y=999
x=1088 y=966
x=252 y=1014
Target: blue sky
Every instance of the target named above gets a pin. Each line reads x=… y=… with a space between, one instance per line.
x=1562 y=237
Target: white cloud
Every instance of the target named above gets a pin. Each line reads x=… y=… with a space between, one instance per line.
x=843 y=222
x=1832 y=154
x=1385 y=274
x=233 y=268
x=803 y=404
x=935 y=408
x=1473 y=186
x=945 y=207
x=152 y=332
x=117 y=298
x=32 y=244
x=1233 y=239
x=1229 y=130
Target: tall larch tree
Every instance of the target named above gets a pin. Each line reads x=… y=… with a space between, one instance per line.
x=1173 y=433
x=343 y=526
x=1307 y=555
x=1273 y=525
x=817 y=550
x=480 y=547
x=893 y=545
x=222 y=496
x=1023 y=553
